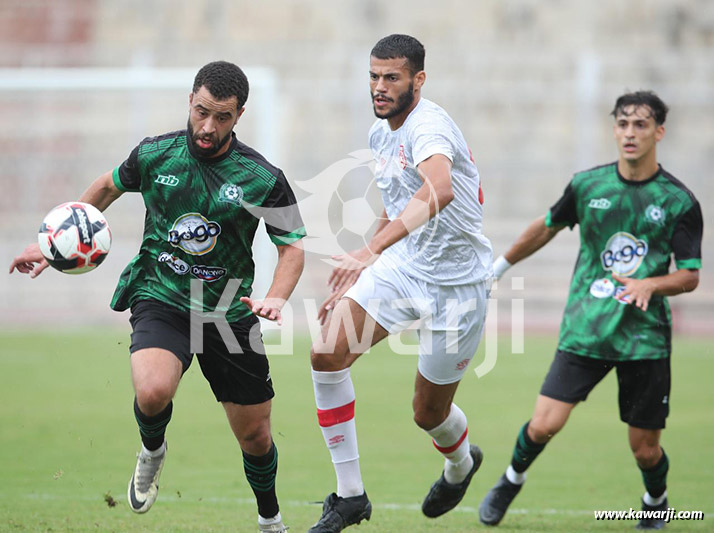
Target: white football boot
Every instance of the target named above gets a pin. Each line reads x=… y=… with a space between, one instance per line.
x=144 y=484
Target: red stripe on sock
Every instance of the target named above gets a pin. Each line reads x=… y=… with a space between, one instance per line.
x=331 y=417
x=451 y=449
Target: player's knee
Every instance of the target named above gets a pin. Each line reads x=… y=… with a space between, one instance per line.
x=257 y=441
x=152 y=399
x=647 y=456
x=428 y=417
x=324 y=358
x=543 y=428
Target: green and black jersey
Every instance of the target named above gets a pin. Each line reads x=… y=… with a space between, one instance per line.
x=201 y=218
x=631 y=229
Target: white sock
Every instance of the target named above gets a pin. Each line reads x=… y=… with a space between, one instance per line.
x=451 y=439
x=158 y=452
x=270 y=521
x=335 y=399
x=652 y=501
x=517 y=478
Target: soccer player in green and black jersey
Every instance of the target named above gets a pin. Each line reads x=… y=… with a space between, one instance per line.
x=189 y=287
x=633 y=217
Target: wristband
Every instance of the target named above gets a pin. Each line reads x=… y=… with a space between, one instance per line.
x=500 y=265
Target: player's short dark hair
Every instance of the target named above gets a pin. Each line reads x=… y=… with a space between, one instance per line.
x=223 y=80
x=398 y=45
x=642 y=98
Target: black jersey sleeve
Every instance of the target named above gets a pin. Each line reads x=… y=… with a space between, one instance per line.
x=282 y=218
x=564 y=212
x=128 y=173
x=687 y=238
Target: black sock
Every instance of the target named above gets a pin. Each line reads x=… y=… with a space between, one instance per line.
x=655 y=478
x=525 y=451
x=153 y=428
x=260 y=473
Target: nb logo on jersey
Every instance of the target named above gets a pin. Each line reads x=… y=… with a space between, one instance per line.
x=169 y=180
x=600 y=203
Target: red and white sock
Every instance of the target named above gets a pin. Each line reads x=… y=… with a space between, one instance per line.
x=451 y=439
x=335 y=399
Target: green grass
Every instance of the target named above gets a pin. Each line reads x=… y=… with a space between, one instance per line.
x=68 y=441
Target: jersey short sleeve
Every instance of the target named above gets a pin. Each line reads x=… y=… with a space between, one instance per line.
x=126 y=176
x=283 y=221
x=563 y=212
x=430 y=138
x=687 y=239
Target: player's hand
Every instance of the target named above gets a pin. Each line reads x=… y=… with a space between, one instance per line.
x=268 y=308
x=329 y=304
x=30 y=261
x=349 y=267
x=637 y=291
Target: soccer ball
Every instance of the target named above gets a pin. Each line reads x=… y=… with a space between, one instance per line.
x=74 y=237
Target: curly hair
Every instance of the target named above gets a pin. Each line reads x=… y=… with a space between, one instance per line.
x=642 y=98
x=223 y=80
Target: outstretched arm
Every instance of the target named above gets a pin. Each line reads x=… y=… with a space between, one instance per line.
x=535 y=236
x=101 y=193
x=291 y=260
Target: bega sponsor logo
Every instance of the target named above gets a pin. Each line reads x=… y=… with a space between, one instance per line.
x=194 y=234
x=623 y=253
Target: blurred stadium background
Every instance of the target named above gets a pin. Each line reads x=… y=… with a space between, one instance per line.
x=530 y=83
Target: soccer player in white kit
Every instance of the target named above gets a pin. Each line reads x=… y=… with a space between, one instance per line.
x=427 y=261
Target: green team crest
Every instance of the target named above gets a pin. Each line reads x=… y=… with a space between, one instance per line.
x=655 y=214
x=230 y=193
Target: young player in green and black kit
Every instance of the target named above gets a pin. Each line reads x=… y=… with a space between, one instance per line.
x=633 y=217
x=204 y=193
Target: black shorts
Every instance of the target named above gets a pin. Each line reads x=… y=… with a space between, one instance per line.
x=644 y=385
x=241 y=378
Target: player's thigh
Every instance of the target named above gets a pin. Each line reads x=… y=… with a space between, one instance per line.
x=549 y=417
x=450 y=336
x=237 y=368
x=644 y=388
x=571 y=377
x=159 y=350
x=349 y=332
x=155 y=368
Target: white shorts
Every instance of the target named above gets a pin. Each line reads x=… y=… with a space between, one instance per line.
x=451 y=317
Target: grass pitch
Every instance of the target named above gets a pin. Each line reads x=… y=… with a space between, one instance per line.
x=68 y=441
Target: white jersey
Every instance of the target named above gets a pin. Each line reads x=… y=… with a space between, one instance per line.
x=449 y=249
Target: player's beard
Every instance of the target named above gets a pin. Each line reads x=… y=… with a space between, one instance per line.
x=207 y=152
x=403 y=102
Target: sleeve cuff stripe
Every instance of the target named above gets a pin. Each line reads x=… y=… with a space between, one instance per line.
x=694 y=264
x=117 y=181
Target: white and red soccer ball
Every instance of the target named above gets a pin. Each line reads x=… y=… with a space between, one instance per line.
x=74 y=237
